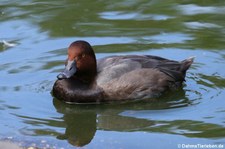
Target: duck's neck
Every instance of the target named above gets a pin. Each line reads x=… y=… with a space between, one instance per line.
x=86 y=78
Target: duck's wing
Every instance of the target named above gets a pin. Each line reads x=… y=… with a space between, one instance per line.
x=116 y=66
x=144 y=61
x=176 y=70
x=169 y=67
x=113 y=67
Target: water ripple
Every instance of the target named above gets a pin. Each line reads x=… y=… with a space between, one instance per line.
x=192 y=9
x=119 y=15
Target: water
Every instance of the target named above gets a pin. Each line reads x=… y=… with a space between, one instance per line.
x=34 y=36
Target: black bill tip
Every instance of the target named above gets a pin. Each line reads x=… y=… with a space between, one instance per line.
x=61 y=76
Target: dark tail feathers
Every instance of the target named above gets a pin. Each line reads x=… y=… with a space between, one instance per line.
x=185 y=64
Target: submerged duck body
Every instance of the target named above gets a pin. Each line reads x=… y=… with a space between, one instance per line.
x=116 y=78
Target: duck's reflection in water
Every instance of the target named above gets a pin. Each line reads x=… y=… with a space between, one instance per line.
x=82 y=121
x=80 y=125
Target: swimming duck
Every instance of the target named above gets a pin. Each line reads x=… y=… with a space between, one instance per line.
x=115 y=78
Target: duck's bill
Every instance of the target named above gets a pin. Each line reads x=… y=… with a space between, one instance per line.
x=69 y=70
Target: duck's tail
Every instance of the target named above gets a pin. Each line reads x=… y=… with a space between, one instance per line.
x=185 y=64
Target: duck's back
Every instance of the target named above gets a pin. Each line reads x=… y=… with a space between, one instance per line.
x=134 y=76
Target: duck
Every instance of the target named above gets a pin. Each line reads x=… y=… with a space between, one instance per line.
x=116 y=78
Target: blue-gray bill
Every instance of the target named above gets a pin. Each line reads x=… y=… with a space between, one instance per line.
x=69 y=70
